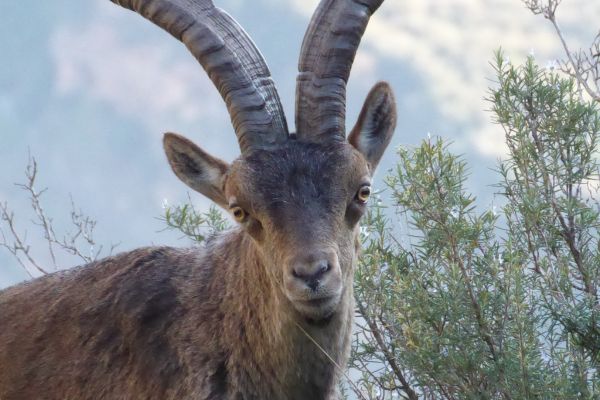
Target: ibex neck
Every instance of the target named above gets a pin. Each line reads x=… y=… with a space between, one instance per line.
x=267 y=338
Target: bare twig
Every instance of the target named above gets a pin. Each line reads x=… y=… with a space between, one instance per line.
x=584 y=66
x=335 y=363
x=72 y=243
x=18 y=246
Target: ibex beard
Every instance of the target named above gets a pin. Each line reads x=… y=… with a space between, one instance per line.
x=263 y=311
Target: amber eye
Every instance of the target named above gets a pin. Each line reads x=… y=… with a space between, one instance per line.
x=363 y=194
x=238 y=213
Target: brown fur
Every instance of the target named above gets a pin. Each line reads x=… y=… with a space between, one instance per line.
x=158 y=323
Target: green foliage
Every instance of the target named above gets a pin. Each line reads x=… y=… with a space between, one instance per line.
x=195 y=225
x=473 y=305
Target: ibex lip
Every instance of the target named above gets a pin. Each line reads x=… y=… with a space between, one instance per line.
x=317 y=308
x=318 y=302
x=325 y=296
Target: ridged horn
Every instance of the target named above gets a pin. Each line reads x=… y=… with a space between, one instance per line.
x=326 y=57
x=230 y=59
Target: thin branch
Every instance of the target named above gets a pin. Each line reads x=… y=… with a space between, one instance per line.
x=581 y=65
x=412 y=395
x=18 y=246
x=70 y=243
x=335 y=363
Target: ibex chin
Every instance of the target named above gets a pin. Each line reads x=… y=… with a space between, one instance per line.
x=231 y=320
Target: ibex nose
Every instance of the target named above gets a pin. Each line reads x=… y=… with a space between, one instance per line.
x=311 y=270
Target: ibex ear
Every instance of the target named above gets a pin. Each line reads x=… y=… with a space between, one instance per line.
x=376 y=122
x=196 y=168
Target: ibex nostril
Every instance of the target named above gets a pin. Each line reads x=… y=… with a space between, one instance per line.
x=324 y=267
x=311 y=273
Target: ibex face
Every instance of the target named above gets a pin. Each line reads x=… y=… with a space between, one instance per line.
x=300 y=201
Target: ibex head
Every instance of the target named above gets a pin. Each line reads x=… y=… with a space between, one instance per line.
x=298 y=196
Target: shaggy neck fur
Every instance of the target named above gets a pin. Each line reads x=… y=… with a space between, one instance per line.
x=266 y=351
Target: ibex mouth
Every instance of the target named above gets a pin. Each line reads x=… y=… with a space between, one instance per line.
x=318 y=302
x=317 y=309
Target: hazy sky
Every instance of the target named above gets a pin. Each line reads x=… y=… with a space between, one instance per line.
x=88 y=88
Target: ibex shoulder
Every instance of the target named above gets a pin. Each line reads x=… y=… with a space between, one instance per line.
x=128 y=313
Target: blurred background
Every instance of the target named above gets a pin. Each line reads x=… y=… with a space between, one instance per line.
x=88 y=88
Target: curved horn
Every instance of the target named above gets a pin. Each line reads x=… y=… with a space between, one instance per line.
x=230 y=59
x=327 y=53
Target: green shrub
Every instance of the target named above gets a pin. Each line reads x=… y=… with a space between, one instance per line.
x=490 y=304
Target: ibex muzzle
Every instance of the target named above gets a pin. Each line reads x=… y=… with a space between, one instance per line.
x=228 y=321
x=313 y=282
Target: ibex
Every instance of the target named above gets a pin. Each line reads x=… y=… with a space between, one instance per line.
x=235 y=319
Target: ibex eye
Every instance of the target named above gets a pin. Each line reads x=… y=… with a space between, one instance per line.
x=363 y=194
x=239 y=214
